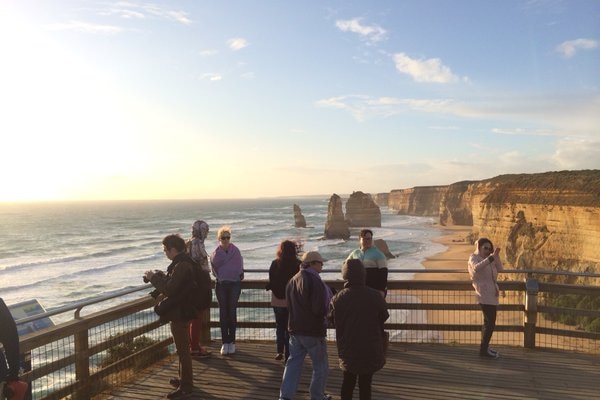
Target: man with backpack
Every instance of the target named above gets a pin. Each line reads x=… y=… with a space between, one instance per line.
x=197 y=251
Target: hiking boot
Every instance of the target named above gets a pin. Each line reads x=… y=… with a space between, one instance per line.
x=175 y=382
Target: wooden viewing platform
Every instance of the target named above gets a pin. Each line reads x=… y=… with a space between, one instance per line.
x=413 y=371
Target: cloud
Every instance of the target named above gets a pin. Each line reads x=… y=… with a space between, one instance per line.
x=236 y=44
x=577 y=153
x=430 y=70
x=569 y=48
x=129 y=10
x=211 y=77
x=557 y=115
x=372 y=33
x=80 y=26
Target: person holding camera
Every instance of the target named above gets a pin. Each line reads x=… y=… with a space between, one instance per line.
x=484 y=265
x=174 y=290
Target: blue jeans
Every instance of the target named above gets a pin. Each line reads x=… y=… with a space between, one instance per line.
x=228 y=294
x=283 y=337
x=316 y=348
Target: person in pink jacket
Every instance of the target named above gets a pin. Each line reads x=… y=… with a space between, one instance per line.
x=484 y=266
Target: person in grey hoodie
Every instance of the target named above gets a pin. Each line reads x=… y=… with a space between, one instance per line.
x=358 y=313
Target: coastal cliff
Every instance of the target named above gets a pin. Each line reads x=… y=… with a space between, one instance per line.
x=420 y=200
x=541 y=221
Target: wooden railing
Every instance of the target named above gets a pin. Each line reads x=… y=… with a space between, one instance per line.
x=68 y=358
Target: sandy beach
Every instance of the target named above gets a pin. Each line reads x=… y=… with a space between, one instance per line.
x=454 y=257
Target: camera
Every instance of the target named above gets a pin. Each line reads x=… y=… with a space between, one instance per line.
x=156 y=271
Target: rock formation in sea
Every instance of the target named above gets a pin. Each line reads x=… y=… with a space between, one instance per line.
x=381 y=199
x=361 y=211
x=299 y=220
x=541 y=221
x=336 y=226
x=382 y=245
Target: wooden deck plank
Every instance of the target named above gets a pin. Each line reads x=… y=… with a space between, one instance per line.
x=413 y=371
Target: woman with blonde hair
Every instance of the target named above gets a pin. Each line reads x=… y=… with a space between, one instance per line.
x=228 y=267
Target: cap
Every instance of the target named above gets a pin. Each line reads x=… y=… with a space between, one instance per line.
x=311 y=256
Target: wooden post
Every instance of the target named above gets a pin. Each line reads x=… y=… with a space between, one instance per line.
x=531 y=293
x=205 y=332
x=82 y=364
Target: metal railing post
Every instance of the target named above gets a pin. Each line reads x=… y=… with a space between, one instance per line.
x=530 y=320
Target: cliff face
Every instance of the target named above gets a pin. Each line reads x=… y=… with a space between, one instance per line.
x=541 y=221
x=420 y=200
x=381 y=199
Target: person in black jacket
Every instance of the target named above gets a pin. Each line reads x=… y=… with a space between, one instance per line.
x=282 y=269
x=358 y=313
x=176 y=307
x=9 y=337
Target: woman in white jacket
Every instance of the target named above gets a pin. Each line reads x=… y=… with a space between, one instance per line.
x=484 y=266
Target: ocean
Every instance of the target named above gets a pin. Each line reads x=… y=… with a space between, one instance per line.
x=62 y=252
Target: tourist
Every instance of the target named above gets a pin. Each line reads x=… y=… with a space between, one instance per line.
x=282 y=269
x=484 y=265
x=9 y=354
x=175 y=307
x=307 y=298
x=358 y=313
x=198 y=253
x=228 y=267
x=374 y=261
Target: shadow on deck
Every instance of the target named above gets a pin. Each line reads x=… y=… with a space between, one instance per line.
x=413 y=371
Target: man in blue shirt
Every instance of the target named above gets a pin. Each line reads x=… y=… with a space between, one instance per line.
x=374 y=261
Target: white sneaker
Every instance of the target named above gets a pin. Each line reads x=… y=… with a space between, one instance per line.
x=231 y=348
x=225 y=349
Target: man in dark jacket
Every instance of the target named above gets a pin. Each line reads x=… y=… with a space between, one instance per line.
x=307 y=298
x=176 y=307
x=358 y=313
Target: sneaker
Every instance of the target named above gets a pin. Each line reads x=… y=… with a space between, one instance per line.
x=489 y=354
x=178 y=394
x=279 y=356
x=201 y=354
x=328 y=397
x=231 y=348
x=174 y=382
x=225 y=348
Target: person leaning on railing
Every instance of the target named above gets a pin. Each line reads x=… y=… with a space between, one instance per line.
x=484 y=268
x=373 y=259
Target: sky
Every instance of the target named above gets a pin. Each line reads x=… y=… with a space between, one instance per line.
x=123 y=100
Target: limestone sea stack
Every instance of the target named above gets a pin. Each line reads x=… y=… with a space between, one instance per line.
x=383 y=246
x=299 y=220
x=336 y=226
x=362 y=211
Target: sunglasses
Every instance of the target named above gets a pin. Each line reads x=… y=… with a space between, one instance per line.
x=225 y=238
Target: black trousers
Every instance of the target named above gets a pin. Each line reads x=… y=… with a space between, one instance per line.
x=489 y=323
x=364 y=385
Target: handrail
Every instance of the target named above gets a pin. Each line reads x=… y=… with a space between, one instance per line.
x=78 y=306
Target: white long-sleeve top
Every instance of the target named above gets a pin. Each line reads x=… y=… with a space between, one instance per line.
x=484 y=276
